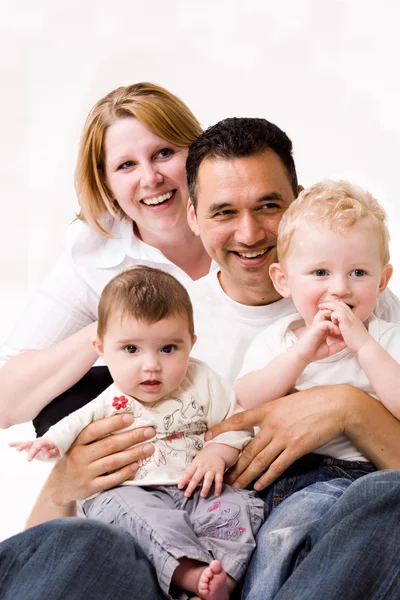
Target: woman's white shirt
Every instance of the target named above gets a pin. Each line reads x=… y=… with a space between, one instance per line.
x=68 y=299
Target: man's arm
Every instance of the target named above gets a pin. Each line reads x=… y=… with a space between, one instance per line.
x=295 y=425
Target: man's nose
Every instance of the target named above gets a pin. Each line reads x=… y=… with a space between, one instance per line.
x=338 y=286
x=249 y=230
x=150 y=175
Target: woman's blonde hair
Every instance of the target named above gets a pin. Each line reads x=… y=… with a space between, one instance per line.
x=338 y=205
x=156 y=108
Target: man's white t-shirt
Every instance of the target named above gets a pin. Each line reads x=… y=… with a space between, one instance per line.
x=225 y=329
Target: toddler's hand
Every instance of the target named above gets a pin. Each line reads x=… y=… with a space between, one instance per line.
x=353 y=331
x=41 y=449
x=321 y=339
x=206 y=467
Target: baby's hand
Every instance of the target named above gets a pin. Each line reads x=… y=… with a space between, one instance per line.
x=353 y=331
x=41 y=449
x=206 y=467
x=321 y=339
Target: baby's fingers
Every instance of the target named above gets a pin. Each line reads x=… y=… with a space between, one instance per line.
x=207 y=483
x=187 y=476
x=194 y=482
x=20 y=446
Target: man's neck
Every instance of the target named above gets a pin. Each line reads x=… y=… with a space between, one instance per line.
x=257 y=295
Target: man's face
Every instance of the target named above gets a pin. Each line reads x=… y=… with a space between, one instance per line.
x=239 y=205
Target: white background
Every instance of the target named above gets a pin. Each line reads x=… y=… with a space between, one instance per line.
x=326 y=72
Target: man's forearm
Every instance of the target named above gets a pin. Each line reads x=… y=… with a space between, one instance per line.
x=372 y=429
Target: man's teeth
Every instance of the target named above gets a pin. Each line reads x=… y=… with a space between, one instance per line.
x=158 y=200
x=253 y=254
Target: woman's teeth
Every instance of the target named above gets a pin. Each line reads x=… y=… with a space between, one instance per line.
x=158 y=200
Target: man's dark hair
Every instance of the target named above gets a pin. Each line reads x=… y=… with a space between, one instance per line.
x=238 y=138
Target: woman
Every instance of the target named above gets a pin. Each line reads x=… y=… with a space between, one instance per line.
x=132 y=190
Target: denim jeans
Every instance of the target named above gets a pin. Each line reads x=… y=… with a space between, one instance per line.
x=337 y=538
x=75 y=559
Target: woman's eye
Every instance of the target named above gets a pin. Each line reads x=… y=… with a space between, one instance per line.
x=125 y=165
x=168 y=349
x=165 y=152
x=131 y=349
x=358 y=272
x=320 y=272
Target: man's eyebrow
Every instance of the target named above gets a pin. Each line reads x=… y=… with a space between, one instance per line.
x=217 y=206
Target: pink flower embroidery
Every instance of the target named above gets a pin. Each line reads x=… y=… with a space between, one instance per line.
x=120 y=402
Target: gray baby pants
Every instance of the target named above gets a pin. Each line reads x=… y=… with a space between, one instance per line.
x=168 y=526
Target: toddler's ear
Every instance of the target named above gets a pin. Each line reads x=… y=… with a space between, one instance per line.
x=385 y=278
x=98 y=346
x=279 y=280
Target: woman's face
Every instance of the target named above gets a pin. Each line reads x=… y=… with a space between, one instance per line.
x=146 y=175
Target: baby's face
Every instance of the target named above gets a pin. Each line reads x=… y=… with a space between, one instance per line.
x=324 y=266
x=147 y=360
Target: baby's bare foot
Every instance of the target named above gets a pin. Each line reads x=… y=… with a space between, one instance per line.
x=213 y=583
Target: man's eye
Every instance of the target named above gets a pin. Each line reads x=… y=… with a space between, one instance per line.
x=165 y=152
x=125 y=165
x=222 y=213
x=320 y=272
x=168 y=349
x=358 y=272
x=130 y=349
x=270 y=205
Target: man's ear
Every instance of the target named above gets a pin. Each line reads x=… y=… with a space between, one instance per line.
x=98 y=345
x=192 y=218
x=300 y=188
x=385 y=278
x=279 y=280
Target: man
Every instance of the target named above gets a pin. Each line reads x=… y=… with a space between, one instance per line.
x=241 y=179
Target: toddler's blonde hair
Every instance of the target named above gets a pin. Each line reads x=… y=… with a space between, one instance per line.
x=338 y=205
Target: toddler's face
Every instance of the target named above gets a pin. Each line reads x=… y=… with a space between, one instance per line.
x=147 y=361
x=326 y=266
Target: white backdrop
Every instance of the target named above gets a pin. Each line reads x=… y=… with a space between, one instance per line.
x=326 y=72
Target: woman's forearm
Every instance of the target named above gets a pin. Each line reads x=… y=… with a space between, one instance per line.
x=30 y=381
x=372 y=429
x=48 y=505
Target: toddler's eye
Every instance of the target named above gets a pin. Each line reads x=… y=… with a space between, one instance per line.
x=358 y=272
x=320 y=272
x=131 y=349
x=168 y=349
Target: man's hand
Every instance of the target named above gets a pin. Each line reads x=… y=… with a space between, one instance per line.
x=98 y=461
x=290 y=428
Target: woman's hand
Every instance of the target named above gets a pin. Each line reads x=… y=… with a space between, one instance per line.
x=290 y=427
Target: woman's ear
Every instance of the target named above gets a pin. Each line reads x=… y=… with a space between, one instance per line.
x=385 y=278
x=279 y=280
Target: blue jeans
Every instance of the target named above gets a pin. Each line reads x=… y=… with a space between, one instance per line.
x=75 y=559
x=337 y=538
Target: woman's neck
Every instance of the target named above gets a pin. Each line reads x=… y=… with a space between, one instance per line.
x=185 y=250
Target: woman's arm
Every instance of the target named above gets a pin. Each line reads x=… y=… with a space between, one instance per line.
x=93 y=464
x=30 y=381
x=295 y=425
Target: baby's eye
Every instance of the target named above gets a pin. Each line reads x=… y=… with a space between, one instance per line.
x=321 y=272
x=358 y=272
x=168 y=349
x=130 y=349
